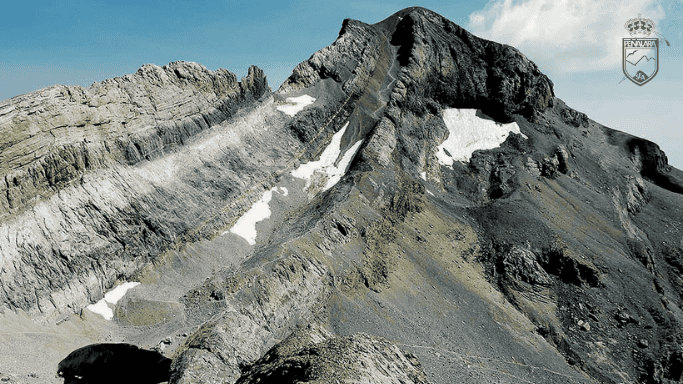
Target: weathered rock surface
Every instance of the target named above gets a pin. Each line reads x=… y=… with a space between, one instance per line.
x=87 y=195
x=355 y=359
x=257 y=307
x=54 y=135
x=546 y=259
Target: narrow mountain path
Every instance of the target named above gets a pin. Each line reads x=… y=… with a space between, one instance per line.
x=386 y=89
x=389 y=78
x=372 y=104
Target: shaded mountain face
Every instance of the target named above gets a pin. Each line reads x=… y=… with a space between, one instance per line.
x=413 y=204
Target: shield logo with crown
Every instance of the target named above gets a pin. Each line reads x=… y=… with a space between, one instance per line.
x=640 y=54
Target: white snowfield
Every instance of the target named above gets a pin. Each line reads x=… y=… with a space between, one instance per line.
x=296 y=104
x=468 y=133
x=112 y=297
x=245 y=226
x=326 y=162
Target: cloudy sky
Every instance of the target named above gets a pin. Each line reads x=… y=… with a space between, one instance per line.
x=576 y=43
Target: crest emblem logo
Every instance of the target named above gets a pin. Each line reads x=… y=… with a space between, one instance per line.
x=640 y=59
x=640 y=55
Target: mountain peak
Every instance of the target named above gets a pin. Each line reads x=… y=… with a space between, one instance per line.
x=454 y=67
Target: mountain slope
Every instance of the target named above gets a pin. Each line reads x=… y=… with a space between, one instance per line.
x=413 y=204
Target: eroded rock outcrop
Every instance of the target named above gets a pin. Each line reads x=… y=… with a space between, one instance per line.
x=257 y=307
x=79 y=210
x=360 y=358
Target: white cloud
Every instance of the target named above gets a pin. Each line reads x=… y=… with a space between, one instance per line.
x=565 y=35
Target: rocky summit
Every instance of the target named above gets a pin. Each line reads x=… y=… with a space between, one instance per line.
x=413 y=205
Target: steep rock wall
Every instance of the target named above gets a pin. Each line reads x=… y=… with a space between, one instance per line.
x=98 y=181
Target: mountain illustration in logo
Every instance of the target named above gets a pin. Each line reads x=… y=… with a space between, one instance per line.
x=637 y=56
x=641 y=63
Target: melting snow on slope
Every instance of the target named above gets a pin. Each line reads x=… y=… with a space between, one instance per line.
x=296 y=104
x=326 y=162
x=245 y=226
x=335 y=174
x=112 y=297
x=468 y=133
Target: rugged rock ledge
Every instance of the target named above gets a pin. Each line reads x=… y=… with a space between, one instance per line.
x=75 y=214
x=355 y=359
x=53 y=136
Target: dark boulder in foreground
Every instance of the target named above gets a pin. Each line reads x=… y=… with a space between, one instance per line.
x=114 y=363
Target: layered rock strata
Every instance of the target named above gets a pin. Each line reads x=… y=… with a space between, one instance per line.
x=83 y=201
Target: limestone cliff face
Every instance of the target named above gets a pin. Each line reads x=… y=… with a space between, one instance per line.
x=438 y=60
x=77 y=213
x=52 y=136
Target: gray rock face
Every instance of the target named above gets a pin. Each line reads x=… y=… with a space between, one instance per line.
x=75 y=212
x=447 y=64
x=57 y=134
x=521 y=265
x=260 y=306
x=360 y=358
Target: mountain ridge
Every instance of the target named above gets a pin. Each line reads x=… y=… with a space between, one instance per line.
x=522 y=263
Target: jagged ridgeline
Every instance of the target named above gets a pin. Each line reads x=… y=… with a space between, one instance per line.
x=413 y=204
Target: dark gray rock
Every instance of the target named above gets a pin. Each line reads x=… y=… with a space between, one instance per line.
x=521 y=264
x=360 y=358
x=574 y=118
x=445 y=63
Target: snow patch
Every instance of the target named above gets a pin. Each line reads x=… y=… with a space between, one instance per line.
x=423 y=175
x=102 y=309
x=430 y=192
x=335 y=174
x=105 y=306
x=296 y=104
x=468 y=133
x=327 y=158
x=326 y=162
x=245 y=226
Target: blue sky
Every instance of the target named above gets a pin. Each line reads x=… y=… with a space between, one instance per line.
x=577 y=43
